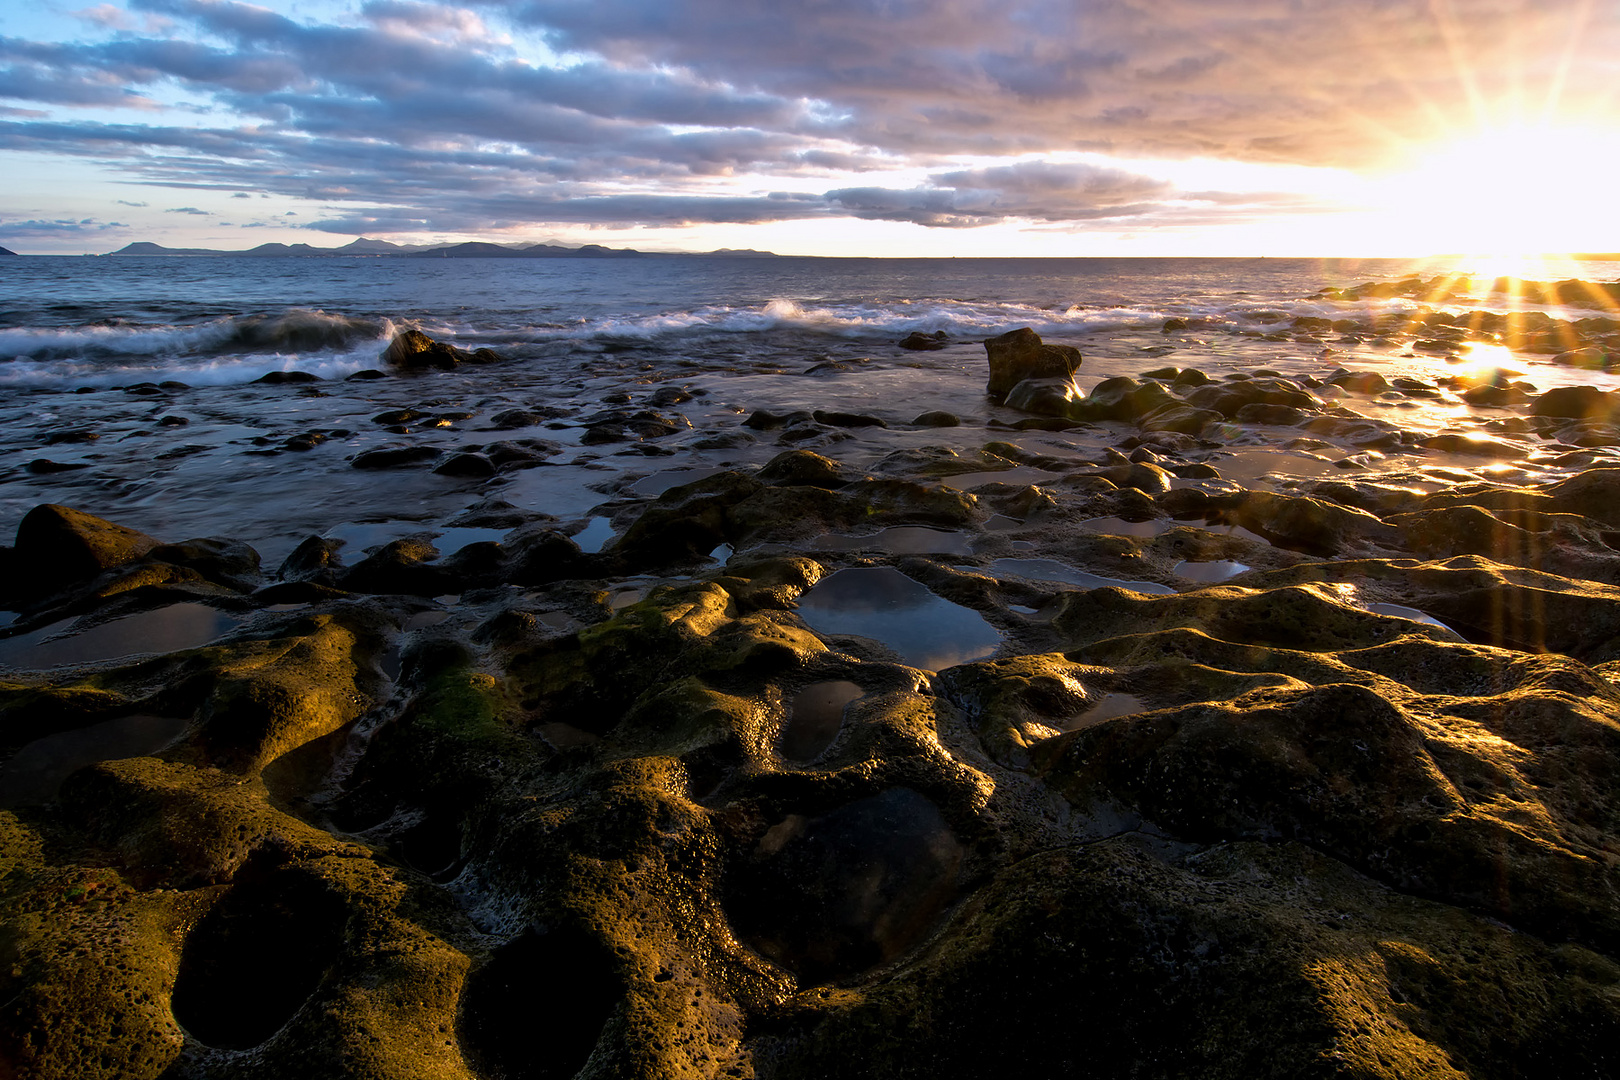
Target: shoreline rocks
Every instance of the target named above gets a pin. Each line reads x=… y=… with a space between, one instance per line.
x=1322 y=815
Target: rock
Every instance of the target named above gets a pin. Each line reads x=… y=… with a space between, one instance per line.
x=46 y=467
x=414 y=350
x=514 y=418
x=400 y=566
x=1172 y=325
x=1308 y=525
x=1020 y=354
x=1047 y=397
x=765 y=420
x=472 y=465
x=316 y=559
x=937 y=418
x=924 y=342
x=1575 y=402
x=57 y=547
x=394 y=457
x=278 y=378
x=1588 y=357
x=804 y=468
x=847 y=419
x=221 y=560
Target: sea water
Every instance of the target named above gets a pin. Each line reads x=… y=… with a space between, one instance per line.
x=127 y=384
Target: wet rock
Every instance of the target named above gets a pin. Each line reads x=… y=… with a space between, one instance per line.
x=1575 y=402
x=47 y=467
x=765 y=420
x=316 y=559
x=1020 y=354
x=285 y=378
x=473 y=465
x=218 y=559
x=1048 y=397
x=847 y=419
x=937 y=418
x=400 y=566
x=65 y=438
x=413 y=350
x=802 y=467
x=844 y=891
x=1309 y=525
x=57 y=547
x=395 y=457
x=917 y=340
x=1231 y=398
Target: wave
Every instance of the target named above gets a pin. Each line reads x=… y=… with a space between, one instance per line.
x=296 y=330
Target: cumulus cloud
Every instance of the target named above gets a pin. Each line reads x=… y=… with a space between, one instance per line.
x=440 y=116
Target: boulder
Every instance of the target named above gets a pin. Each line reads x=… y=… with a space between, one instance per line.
x=1020 y=354
x=922 y=342
x=58 y=546
x=414 y=350
x=1048 y=397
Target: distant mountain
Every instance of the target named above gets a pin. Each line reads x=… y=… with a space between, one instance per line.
x=479 y=250
x=7 y=253
x=141 y=247
x=475 y=249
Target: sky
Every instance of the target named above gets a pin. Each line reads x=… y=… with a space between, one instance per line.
x=817 y=127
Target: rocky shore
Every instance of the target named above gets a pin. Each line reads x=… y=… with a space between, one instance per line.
x=950 y=761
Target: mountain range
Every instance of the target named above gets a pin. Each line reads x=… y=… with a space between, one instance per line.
x=471 y=250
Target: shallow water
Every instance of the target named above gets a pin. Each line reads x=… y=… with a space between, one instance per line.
x=1052 y=570
x=38 y=769
x=883 y=604
x=211 y=453
x=898 y=540
x=815 y=715
x=165 y=629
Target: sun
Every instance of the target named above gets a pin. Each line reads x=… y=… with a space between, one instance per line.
x=1509 y=193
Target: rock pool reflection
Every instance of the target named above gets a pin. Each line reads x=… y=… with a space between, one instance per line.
x=164 y=629
x=38 y=769
x=1052 y=570
x=899 y=540
x=881 y=603
x=814 y=717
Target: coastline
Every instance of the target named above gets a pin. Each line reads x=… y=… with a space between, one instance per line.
x=1206 y=725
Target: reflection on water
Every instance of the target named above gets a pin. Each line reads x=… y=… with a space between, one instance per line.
x=814 y=717
x=591 y=538
x=165 y=629
x=1120 y=527
x=1052 y=570
x=1110 y=706
x=1019 y=475
x=882 y=603
x=1208 y=572
x=660 y=482
x=39 y=768
x=361 y=535
x=1401 y=611
x=898 y=540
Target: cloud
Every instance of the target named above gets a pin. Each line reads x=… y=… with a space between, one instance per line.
x=419 y=115
x=40 y=228
x=187 y=210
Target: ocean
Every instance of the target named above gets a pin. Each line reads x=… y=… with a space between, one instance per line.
x=128 y=385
